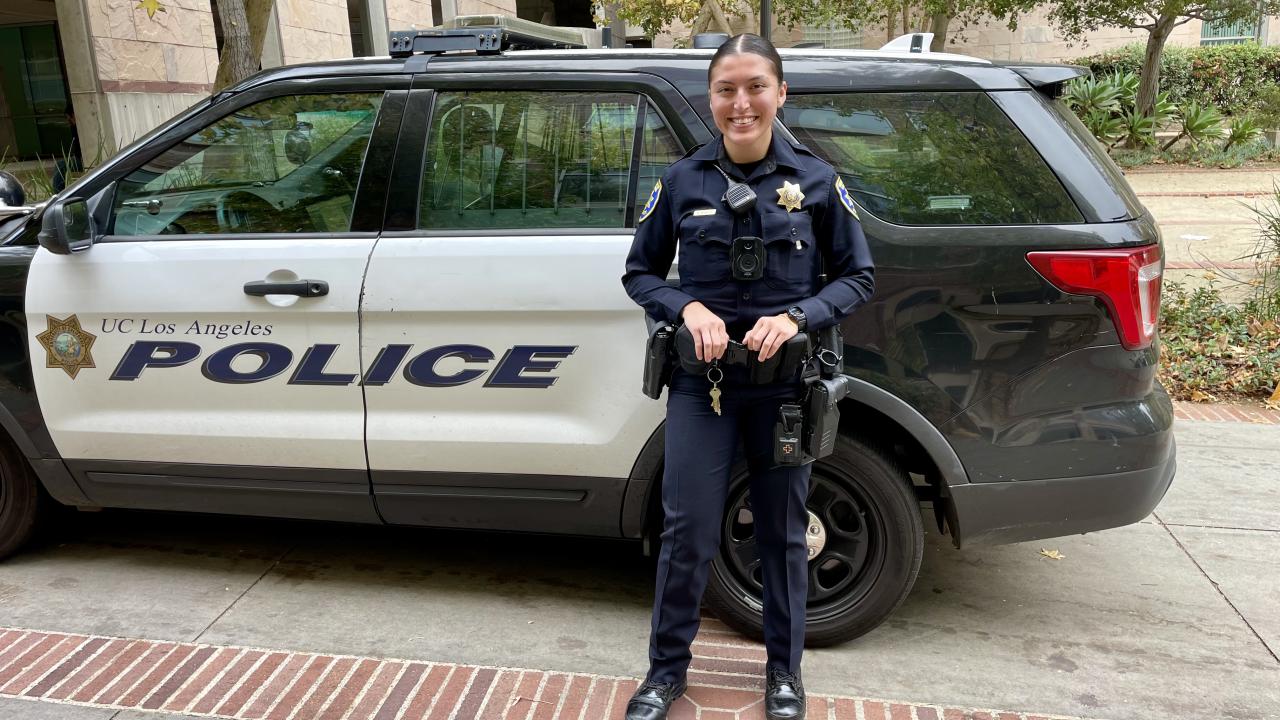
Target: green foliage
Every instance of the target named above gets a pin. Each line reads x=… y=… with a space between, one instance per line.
x=1203 y=156
x=1074 y=18
x=1233 y=78
x=1106 y=105
x=1211 y=349
x=1105 y=126
x=1200 y=123
x=1088 y=95
x=1137 y=130
x=1242 y=129
x=1266 y=255
x=653 y=16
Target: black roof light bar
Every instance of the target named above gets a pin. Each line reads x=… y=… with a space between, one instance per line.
x=483 y=35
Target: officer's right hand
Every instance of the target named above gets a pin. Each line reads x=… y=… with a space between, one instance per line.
x=710 y=339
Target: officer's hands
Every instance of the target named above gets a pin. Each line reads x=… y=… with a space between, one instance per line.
x=769 y=334
x=710 y=339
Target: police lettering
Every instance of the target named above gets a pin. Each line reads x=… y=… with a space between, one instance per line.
x=522 y=366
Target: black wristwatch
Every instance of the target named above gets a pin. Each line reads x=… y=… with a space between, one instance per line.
x=797 y=316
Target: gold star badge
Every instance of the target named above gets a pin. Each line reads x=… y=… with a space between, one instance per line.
x=67 y=344
x=789 y=196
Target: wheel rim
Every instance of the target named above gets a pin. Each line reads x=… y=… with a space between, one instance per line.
x=845 y=536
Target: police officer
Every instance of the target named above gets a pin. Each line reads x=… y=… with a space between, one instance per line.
x=809 y=226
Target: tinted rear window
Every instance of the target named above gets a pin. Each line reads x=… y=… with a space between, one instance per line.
x=941 y=158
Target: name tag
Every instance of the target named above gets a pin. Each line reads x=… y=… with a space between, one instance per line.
x=704 y=212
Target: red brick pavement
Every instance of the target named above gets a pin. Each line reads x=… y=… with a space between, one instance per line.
x=1226 y=412
x=235 y=683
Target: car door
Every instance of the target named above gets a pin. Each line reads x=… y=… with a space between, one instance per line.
x=204 y=352
x=504 y=358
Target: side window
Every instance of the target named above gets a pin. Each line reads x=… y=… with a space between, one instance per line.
x=521 y=159
x=931 y=158
x=285 y=165
x=658 y=149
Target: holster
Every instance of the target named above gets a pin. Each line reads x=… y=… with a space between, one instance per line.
x=659 y=359
x=822 y=414
x=826 y=389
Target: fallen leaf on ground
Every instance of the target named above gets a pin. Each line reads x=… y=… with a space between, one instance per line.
x=1052 y=554
x=1273 y=402
x=1200 y=396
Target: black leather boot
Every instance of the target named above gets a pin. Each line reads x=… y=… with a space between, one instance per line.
x=653 y=700
x=783 y=696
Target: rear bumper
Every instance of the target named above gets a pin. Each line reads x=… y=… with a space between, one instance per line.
x=1007 y=512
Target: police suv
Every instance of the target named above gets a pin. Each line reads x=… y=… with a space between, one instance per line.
x=386 y=290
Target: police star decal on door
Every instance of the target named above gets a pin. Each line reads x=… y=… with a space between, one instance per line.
x=67 y=345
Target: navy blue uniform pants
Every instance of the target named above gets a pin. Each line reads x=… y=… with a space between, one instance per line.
x=700 y=454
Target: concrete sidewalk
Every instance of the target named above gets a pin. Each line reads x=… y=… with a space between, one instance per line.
x=1171 y=617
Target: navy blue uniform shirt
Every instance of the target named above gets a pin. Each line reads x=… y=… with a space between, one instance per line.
x=685 y=212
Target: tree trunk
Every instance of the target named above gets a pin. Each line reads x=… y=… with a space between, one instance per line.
x=1149 y=85
x=718 y=17
x=906 y=17
x=938 y=26
x=237 y=61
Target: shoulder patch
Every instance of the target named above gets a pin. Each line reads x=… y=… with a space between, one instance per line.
x=652 y=204
x=845 y=199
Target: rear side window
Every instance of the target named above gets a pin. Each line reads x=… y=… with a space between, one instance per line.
x=522 y=159
x=931 y=158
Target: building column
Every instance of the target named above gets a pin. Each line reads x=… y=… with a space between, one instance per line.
x=129 y=72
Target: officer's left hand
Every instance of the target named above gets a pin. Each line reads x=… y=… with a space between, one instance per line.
x=769 y=334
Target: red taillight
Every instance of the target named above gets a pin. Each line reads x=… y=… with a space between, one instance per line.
x=1127 y=280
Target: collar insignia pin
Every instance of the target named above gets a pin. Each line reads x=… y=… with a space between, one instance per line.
x=789 y=196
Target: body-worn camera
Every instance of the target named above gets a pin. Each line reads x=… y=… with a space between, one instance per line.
x=747 y=258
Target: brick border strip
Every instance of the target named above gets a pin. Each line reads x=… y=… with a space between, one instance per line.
x=261 y=684
x=1225 y=412
x=1206 y=193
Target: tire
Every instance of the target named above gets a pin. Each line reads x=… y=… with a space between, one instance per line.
x=20 y=499
x=874 y=542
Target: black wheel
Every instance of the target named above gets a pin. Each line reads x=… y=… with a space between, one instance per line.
x=20 y=499
x=866 y=540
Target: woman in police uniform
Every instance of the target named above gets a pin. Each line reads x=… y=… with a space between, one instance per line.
x=809 y=225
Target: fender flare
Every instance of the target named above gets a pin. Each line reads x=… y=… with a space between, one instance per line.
x=645 y=480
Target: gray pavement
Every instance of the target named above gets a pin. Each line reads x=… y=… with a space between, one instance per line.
x=1172 y=617
x=1219 y=232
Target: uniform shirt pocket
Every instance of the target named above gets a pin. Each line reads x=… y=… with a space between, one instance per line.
x=791 y=256
x=704 y=250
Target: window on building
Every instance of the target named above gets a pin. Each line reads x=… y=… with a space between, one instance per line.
x=516 y=159
x=1235 y=33
x=931 y=158
x=284 y=165
x=35 y=119
x=358 y=22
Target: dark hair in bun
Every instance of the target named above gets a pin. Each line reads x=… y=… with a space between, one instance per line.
x=748 y=43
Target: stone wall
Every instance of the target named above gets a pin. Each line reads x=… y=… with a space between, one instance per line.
x=128 y=72
x=409 y=14
x=312 y=30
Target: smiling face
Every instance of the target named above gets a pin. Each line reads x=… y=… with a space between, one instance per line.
x=745 y=97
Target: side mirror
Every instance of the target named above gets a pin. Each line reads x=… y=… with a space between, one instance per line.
x=67 y=227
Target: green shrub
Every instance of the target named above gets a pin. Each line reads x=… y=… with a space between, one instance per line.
x=1232 y=78
x=1213 y=350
